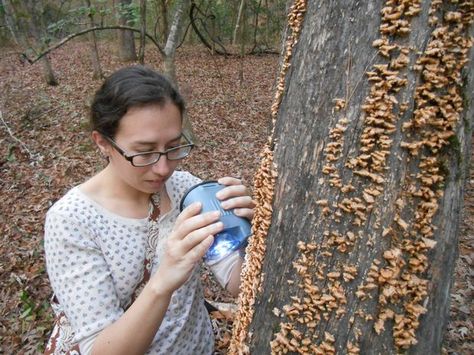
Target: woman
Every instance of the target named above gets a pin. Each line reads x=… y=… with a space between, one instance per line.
x=123 y=225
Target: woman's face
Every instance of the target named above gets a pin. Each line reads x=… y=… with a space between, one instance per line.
x=144 y=129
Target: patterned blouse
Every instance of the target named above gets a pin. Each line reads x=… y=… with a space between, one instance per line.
x=95 y=259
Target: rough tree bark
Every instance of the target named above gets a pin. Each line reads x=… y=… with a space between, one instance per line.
x=371 y=147
x=126 y=38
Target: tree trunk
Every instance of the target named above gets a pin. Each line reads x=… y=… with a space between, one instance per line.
x=97 y=70
x=48 y=72
x=354 y=252
x=141 y=52
x=242 y=40
x=37 y=31
x=267 y=24
x=126 y=38
x=238 y=23
x=163 y=28
x=172 y=41
x=169 y=68
x=11 y=23
x=256 y=23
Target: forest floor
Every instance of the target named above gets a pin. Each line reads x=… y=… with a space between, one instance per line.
x=45 y=149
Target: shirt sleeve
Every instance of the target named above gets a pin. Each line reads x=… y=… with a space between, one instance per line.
x=222 y=270
x=79 y=276
x=190 y=180
x=86 y=344
x=182 y=182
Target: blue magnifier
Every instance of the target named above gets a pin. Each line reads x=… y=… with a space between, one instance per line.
x=236 y=229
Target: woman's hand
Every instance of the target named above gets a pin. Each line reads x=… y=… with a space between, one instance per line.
x=192 y=235
x=235 y=196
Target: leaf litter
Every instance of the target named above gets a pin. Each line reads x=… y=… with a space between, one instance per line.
x=46 y=150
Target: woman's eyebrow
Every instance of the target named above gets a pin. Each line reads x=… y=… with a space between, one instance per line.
x=152 y=143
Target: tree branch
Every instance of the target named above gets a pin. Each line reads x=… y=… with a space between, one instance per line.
x=196 y=30
x=80 y=33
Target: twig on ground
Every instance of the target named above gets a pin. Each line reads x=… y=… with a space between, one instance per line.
x=33 y=156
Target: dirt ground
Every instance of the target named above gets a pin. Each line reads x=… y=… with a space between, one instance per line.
x=45 y=150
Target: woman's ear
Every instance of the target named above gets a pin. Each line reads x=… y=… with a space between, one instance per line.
x=101 y=143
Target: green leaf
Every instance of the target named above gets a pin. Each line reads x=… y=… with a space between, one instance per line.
x=26 y=313
x=11 y=153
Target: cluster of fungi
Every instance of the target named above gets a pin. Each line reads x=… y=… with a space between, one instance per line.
x=396 y=285
x=264 y=183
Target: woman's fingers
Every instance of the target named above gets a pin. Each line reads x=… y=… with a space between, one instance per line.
x=192 y=210
x=245 y=212
x=235 y=197
x=238 y=202
x=229 y=181
x=199 y=235
x=189 y=221
x=198 y=251
x=231 y=191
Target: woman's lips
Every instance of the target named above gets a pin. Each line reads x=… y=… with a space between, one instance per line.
x=155 y=182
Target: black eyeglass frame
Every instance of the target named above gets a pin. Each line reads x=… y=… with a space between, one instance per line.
x=165 y=153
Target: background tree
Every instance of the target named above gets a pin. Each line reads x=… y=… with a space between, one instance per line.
x=95 y=60
x=25 y=19
x=172 y=40
x=11 y=23
x=141 y=51
x=242 y=39
x=161 y=21
x=233 y=18
x=238 y=21
x=370 y=153
x=126 y=38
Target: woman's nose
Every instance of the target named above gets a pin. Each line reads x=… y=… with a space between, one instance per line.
x=162 y=166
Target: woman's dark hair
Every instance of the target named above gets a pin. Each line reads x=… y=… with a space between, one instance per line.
x=128 y=87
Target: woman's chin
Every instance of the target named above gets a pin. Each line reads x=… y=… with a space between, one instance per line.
x=153 y=186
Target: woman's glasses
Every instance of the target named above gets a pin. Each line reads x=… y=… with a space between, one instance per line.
x=150 y=158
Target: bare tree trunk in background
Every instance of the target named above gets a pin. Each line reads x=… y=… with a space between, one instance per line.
x=11 y=23
x=267 y=24
x=169 y=68
x=242 y=40
x=32 y=26
x=172 y=41
x=141 y=51
x=126 y=38
x=48 y=72
x=38 y=31
x=371 y=152
x=239 y=21
x=213 y=35
x=164 y=20
x=257 y=13
x=97 y=70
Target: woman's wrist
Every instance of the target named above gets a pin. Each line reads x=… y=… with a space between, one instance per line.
x=157 y=289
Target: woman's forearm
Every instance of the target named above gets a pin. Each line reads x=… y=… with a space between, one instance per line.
x=134 y=331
